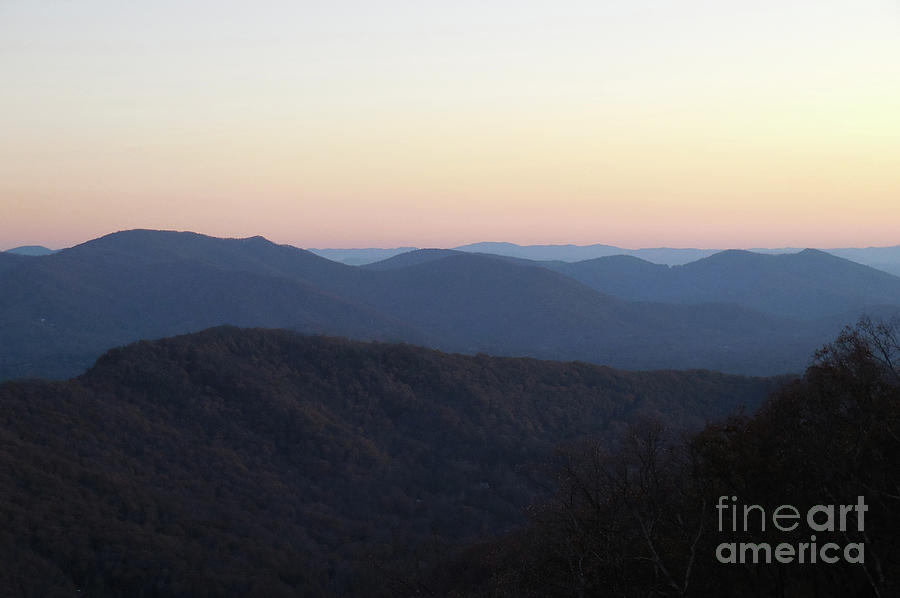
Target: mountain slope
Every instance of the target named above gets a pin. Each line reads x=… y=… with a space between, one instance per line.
x=810 y=284
x=30 y=250
x=502 y=306
x=10 y=260
x=360 y=257
x=575 y=253
x=253 y=254
x=410 y=258
x=59 y=312
x=265 y=463
x=877 y=257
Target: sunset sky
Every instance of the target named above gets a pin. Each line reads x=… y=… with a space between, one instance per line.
x=353 y=124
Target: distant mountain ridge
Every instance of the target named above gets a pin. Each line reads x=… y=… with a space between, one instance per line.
x=31 y=250
x=359 y=257
x=575 y=253
x=808 y=285
x=882 y=258
x=877 y=257
x=59 y=312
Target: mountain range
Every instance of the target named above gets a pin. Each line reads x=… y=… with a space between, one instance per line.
x=809 y=284
x=882 y=258
x=734 y=311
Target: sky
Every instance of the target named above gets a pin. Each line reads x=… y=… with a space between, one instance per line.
x=398 y=123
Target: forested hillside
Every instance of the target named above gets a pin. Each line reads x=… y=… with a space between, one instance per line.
x=663 y=515
x=267 y=463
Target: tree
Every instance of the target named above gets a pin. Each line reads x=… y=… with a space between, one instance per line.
x=640 y=520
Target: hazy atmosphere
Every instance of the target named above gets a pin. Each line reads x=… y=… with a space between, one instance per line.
x=686 y=124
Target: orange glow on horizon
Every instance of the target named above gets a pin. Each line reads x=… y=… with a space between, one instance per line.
x=689 y=125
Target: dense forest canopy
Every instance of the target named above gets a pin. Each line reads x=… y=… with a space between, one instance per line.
x=268 y=463
x=645 y=519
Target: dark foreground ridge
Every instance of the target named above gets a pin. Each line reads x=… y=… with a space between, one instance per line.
x=267 y=463
x=799 y=500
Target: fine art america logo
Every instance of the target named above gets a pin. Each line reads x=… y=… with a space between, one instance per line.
x=752 y=519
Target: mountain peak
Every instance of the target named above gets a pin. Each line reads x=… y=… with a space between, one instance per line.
x=809 y=251
x=31 y=250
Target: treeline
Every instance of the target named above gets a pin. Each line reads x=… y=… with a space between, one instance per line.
x=266 y=463
x=655 y=516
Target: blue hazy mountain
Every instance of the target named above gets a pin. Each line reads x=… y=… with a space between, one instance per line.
x=870 y=255
x=574 y=253
x=809 y=284
x=411 y=258
x=421 y=256
x=359 y=257
x=9 y=260
x=30 y=250
x=883 y=258
x=59 y=312
x=889 y=267
x=886 y=259
x=566 y=253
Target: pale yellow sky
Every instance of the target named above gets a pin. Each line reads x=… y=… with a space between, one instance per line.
x=688 y=123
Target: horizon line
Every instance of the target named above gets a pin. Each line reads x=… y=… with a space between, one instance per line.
x=364 y=246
